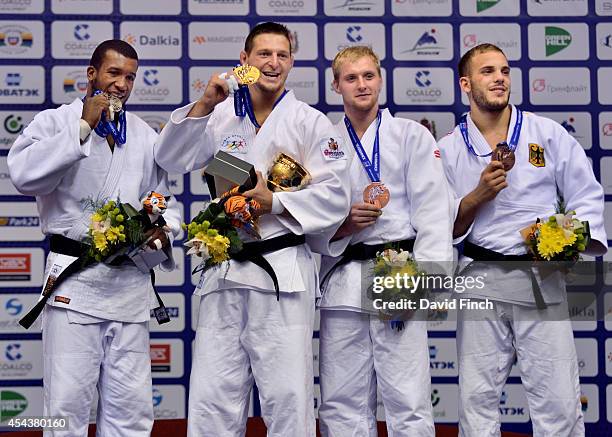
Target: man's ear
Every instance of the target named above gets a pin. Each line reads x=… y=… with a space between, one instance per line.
x=243 y=57
x=464 y=84
x=92 y=73
x=335 y=86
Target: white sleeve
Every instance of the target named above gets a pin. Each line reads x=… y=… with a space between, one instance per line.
x=185 y=143
x=431 y=211
x=44 y=151
x=577 y=184
x=449 y=172
x=173 y=219
x=320 y=207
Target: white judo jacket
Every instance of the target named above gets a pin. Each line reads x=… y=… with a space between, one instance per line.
x=293 y=128
x=531 y=194
x=420 y=204
x=48 y=161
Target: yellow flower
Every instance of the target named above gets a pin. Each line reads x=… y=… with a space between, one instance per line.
x=553 y=240
x=113 y=234
x=217 y=248
x=100 y=242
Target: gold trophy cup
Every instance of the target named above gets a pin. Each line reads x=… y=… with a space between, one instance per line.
x=286 y=174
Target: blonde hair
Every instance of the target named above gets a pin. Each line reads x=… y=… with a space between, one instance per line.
x=351 y=54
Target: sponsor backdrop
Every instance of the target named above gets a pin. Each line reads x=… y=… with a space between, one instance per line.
x=560 y=52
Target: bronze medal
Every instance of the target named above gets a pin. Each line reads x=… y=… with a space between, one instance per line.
x=504 y=154
x=376 y=194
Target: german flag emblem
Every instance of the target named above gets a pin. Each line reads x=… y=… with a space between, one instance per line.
x=536 y=155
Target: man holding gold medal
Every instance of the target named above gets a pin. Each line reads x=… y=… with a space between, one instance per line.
x=244 y=333
x=95 y=324
x=508 y=168
x=399 y=198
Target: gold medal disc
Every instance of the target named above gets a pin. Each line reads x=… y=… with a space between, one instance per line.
x=246 y=74
x=376 y=194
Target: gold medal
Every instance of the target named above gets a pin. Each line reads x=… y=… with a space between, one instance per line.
x=376 y=194
x=246 y=74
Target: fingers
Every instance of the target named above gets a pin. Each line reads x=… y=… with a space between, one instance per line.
x=219 y=85
x=366 y=207
x=494 y=165
x=89 y=88
x=365 y=210
x=497 y=173
x=157 y=239
x=261 y=184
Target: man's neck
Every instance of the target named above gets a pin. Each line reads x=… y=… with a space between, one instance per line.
x=263 y=102
x=361 y=120
x=489 y=122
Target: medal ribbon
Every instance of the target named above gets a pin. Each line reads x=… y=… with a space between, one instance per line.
x=463 y=127
x=243 y=105
x=371 y=167
x=106 y=127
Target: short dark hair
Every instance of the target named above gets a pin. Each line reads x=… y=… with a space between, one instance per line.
x=116 y=45
x=267 y=27
x=464 y=62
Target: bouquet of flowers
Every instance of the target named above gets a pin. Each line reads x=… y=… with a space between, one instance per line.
x=403 y=269
x=214 y=234
x=118 y=228
x=559 y=238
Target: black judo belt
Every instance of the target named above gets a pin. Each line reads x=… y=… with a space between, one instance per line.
x=480 y=254
x=66 y=246
x=253 y=251
x=364 y=252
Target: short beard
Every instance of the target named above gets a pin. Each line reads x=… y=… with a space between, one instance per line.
x=487 y=105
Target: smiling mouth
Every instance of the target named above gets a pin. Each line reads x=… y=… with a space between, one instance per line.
x=271 y=74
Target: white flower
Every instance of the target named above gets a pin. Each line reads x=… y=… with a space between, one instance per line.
x=395 y=259
x=102 y=227
x=197 y=247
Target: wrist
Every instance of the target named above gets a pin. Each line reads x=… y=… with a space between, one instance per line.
x=200 y=109
x=84 y=130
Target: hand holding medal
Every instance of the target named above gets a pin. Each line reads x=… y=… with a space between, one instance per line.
x=242 y=75
x=376 y=194
x=504 y=154
x=100 y=110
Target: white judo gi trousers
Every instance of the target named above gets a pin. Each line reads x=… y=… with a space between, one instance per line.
x=245 y=336
x=542 y=341
x=115 y=357
x=358 y=351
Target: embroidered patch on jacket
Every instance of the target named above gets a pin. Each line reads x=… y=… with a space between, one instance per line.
x=332 y=151
x=234 y=144
x=62 y=299
x=437 y=153
x=536 y=155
